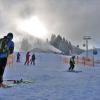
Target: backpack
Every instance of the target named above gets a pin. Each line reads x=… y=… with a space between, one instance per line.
x=3 y=46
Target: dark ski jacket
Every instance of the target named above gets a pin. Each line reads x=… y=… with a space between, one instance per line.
x=33 y=57
x=72 y=61
x=10 y=46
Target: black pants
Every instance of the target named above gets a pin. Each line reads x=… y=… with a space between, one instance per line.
x=33 y=62
x=71 y=67
x=18 y=60
x=3 y=62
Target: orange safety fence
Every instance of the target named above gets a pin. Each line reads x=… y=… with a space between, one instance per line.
x=85 y=61
x=97 y=62
x=65 y=60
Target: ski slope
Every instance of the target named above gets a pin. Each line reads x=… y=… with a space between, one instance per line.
x=52 y=81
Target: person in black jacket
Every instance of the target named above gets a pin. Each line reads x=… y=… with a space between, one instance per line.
x=33 y=59
x=72 y=63
x=18 y=57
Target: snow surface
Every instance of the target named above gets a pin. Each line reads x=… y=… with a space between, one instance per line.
x=52 y=81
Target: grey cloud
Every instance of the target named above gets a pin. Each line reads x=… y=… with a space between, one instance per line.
x=71 y=18
x=76 y=19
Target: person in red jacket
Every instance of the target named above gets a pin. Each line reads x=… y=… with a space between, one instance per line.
x=27 y=58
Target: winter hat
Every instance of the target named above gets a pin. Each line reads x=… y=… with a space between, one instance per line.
x=73 y=56
x=10 y=35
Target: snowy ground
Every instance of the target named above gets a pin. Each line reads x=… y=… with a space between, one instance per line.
x=52 y=81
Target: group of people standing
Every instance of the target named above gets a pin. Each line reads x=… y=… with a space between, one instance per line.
x=28 y=59
x=32 y=60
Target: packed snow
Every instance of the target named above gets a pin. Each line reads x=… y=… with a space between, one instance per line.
x=52 y=81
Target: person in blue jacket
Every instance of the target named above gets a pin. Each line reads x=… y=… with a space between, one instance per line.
x=6 y=48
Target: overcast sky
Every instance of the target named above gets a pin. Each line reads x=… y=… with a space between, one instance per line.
x=71 y=18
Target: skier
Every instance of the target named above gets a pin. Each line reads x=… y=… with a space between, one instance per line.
x=18 y=57
x=33 y=59
x=6 y=49
x=27 y=58
x=72 y=63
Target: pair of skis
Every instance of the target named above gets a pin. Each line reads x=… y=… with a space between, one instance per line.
x=11 y=83
x=74 y=71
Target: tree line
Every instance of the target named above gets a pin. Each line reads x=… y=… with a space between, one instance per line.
x=62 y=44
x=57 y=41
